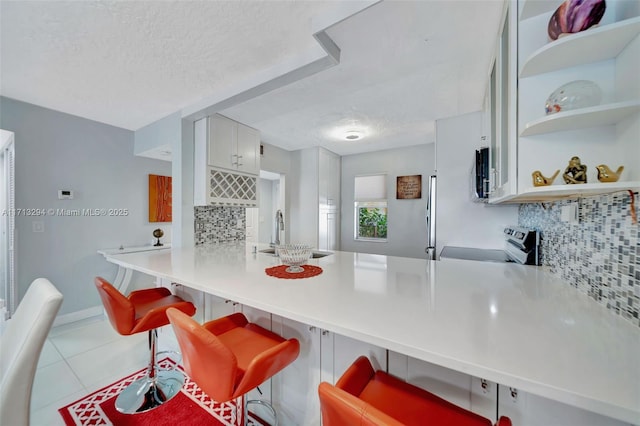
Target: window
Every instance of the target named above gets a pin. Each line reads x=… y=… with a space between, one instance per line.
x=371 y=208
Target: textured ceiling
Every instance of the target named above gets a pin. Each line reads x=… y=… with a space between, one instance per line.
x=129 y=63
x=403 y=65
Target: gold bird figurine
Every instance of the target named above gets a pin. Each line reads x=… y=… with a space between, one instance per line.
x=605 y=174
x=540 y=180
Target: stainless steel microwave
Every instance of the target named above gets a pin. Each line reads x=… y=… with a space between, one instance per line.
x=482 y=171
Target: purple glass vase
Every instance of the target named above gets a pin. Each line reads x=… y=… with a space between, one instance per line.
x=574 y=16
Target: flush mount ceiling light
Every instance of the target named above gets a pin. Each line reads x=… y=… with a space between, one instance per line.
x=350 y=132
x=353 y=135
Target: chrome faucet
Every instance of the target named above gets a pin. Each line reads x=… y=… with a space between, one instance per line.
x=279 y=227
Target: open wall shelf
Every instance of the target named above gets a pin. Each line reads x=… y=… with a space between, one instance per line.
x=532 y=8
x=592 y=45
x=562 y=192
x=600 y=115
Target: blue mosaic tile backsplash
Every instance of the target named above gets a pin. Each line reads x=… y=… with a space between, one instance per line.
x=599 y=255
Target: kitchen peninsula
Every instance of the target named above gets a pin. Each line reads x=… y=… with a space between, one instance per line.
x=514 y=325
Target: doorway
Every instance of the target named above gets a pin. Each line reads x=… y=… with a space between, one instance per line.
x=8 y=296
x=261 y=226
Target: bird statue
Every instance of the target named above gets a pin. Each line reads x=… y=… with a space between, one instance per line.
x=540 y=180
x=605 y=174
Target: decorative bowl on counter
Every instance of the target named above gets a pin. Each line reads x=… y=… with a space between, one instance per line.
x=294 y=255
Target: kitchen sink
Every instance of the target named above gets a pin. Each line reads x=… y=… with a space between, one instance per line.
x=314 y=255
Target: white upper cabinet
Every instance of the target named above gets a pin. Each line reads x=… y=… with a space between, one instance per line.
x=604 y=134
x=248 y=150
x=502 y=108
x=222 y=142
x=233 y=145
x=329 y=166
x=328 y=179
x=226 y=163
x=317 y=198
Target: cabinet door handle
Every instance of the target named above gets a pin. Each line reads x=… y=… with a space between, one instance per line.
x=238 y=163
x=493 y=179
x=234 y=163
x=514 y=394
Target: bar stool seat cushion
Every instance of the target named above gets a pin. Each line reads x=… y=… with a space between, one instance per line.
x=410 y=404
x=229 y=356
x=142 y=310
x=247 y=342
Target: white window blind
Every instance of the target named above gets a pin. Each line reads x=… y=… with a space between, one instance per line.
x=373 y=187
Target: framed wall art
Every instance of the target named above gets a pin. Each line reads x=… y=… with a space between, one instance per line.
x=159 y=198
x=409 y=187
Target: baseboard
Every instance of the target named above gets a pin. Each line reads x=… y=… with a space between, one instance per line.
x=78 y=315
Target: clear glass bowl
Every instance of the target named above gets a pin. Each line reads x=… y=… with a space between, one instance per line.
x=573 y=95
x=294 y=255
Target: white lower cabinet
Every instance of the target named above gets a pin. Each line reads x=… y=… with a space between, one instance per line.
x=324 y=356
x=532 y=410
x=294 y=389
x=468 y=392
x=217 y=307
x=345 y=350
x=491 y=400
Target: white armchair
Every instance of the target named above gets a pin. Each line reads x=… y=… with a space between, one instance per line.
x=20 y=347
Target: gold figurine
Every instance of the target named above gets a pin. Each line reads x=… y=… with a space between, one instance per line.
x=540 y=180
x=576 y=172
x=605 y=174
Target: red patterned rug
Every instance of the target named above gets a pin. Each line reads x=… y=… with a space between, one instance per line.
x=190 y=407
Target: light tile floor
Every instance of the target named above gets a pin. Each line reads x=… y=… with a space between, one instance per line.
x=82 y=357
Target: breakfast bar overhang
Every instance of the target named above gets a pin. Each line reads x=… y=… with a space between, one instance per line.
x=514 y=325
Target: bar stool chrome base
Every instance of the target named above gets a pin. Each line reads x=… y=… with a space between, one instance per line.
x=148 y=393
x=262 y=403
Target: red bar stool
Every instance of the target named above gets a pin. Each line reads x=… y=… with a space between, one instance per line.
x=363 y=396
x=230 y=356
x=144 y=310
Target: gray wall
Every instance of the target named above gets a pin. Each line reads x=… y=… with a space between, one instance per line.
x=266 y=211
x=278 y=160
x=303 y=192
x=407 y=232
x=60 y=151
x=460 y=219
x=159 y=134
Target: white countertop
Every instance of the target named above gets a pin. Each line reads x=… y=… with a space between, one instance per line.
x=511 y=324
x=135 y=249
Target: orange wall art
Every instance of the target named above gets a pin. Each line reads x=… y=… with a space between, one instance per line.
x=159 y=198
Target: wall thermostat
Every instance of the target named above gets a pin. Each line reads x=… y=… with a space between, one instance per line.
x=65 y=194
